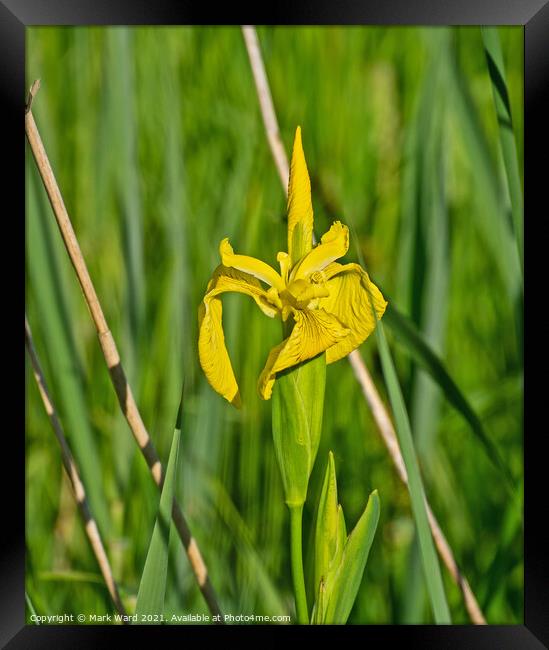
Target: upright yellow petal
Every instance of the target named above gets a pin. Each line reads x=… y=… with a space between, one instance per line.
x=333 y=245
x=314 y=332
x=212 y=350
x=351 y=296
x=300 y=207
x=259 y=269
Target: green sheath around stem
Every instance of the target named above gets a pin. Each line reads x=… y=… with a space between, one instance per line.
x=298 y=401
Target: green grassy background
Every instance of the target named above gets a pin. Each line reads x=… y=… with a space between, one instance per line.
x=158 y=146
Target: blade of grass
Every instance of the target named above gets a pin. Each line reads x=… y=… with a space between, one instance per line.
x=31 y=608
x=266 y=590
x=118 y=116
x=152 y=587
x=493 y=222
x=428 y=214
x=431 y=568
x=120 y=110
x=434 y=231
x=494 y=61
x=405 y=331
x=71 y=576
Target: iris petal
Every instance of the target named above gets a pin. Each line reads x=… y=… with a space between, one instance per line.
x=352 y=294
x=333 y=245
x=314 y=332
x=300 y=207
x=212 y=350
x=250 y=265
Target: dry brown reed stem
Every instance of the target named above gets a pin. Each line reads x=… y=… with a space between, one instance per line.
x=69 y=464
x=110 y=352
x=368 y=387
x=266 y=103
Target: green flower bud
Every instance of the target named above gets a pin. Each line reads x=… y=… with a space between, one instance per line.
x=340 y=560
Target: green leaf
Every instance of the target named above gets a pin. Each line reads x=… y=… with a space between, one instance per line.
x=121 y=180
x=319 y=609
x=152 y=588
x=339 y=561
x=431 y=567
x=494 y=60
x=72 y=576
x=343 y=584
x=341 y=535
x=297 y=406
x=32 y=609
x=406 y=332
x=242 y=540
x=492 y=214
x=326 y=539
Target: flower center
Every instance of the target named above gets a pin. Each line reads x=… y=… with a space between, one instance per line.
x=303 y=294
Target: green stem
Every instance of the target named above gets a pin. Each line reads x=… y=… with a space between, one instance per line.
x=296 y=514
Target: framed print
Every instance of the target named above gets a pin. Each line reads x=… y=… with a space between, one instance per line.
x=274 y=322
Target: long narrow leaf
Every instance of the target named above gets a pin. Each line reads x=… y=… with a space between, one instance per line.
x=405 y=331
x=239 y=534
x=431 y=566
x=492 y=218
x=429 y=275
x=152 y=588
x=433 y=217
x=494 y=60
x=352 y=564
x=31 y=607
x=119 y=122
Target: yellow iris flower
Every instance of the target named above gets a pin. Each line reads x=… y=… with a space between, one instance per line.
x=327 y=303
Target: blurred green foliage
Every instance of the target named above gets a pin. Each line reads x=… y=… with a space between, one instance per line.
x=159 y=149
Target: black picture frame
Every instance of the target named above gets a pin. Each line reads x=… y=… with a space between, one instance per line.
x=15 y=16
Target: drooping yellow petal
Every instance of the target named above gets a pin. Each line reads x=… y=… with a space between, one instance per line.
x=351 y=296
x=314 y=332
x=250 y=265
x=333 y=245
x=300 y=207
x=212 y=350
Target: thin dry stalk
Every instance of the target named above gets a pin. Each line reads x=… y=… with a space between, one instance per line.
x=110 y=352
x=266 y=103
x=368 y=387
x=69 y=464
